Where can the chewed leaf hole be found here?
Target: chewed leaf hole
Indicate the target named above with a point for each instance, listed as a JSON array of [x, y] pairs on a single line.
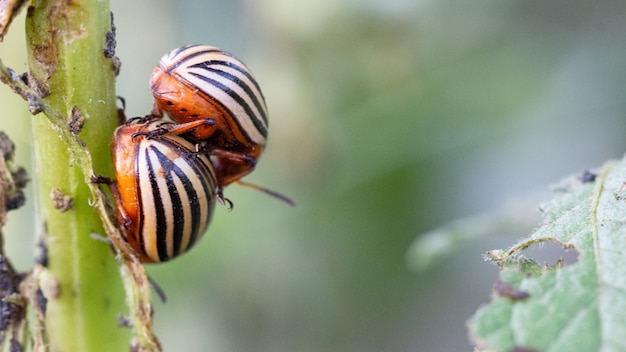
[[546, 252], [551, 252]]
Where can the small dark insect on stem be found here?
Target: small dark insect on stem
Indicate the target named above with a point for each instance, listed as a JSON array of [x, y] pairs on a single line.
[[103, 180], [61, 201], [77, 121], [110, 43]]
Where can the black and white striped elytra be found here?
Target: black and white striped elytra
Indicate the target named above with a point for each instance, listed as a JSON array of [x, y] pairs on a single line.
[[166, 191], [226, 81]]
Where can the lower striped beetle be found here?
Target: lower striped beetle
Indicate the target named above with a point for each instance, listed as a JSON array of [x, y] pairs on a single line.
[[164, 189]]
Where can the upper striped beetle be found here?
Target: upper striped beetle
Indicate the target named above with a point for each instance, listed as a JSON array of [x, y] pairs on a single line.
[[164, 189], [196, 82]]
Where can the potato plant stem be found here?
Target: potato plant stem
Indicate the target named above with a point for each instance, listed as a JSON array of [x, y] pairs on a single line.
[[66, 41]]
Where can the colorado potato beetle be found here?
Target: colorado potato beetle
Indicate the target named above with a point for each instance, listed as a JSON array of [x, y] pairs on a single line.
[[197, 82], [165, 190]]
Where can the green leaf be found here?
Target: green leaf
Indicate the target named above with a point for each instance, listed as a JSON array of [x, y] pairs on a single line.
[[557, 307]]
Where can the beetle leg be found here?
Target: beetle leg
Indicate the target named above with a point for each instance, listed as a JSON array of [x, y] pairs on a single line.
[[223, 200], [170, 128], [235, 157], [99, 179], [230, 166], [177, 129], [159, 131], [125, 219]]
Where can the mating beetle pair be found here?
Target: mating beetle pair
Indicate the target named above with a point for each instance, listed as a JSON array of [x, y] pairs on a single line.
[[169, 175]]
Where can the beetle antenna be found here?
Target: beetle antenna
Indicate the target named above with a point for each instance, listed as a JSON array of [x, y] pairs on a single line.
[[274, 194], [158, 289]]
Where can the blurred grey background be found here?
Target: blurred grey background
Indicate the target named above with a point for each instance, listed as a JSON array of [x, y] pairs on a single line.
[[387, 119]]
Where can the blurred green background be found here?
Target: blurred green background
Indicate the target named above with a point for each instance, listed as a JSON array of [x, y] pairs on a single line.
[[388, 119]]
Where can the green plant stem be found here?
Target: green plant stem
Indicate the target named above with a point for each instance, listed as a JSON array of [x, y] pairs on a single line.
[[133, 273], [65, 44]]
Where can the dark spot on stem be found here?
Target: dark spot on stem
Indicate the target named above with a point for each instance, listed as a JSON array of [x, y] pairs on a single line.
[[60, 201], [77, 121]]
